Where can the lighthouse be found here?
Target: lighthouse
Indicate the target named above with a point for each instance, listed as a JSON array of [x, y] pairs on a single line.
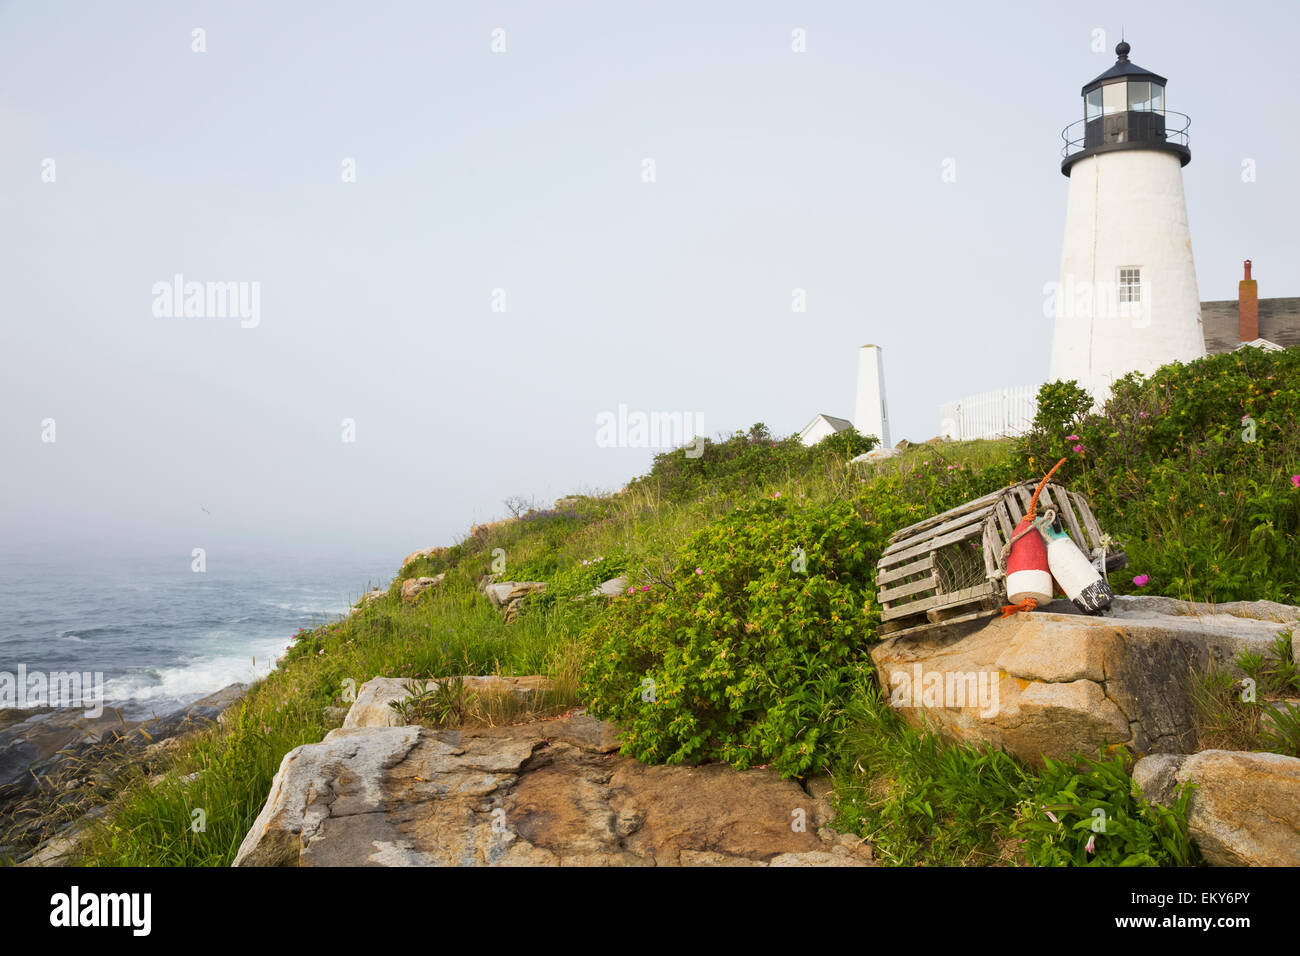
[[1127, 299]]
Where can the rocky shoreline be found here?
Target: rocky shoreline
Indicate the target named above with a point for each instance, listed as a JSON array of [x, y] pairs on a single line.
[[57, 766]]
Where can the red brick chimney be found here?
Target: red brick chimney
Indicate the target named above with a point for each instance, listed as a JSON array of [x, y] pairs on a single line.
[[1247, 308]]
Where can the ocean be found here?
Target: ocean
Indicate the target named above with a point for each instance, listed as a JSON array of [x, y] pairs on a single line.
[[161, 634]]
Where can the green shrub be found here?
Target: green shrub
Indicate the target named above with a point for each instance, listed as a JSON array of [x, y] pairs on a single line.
[[846, 444], [747, 650], [1062, 407]]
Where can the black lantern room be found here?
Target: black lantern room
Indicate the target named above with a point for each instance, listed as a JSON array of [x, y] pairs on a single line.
[[1124, 108]]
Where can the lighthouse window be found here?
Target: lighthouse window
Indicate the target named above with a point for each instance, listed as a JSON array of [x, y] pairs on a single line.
[[1092, 106], [1157, 98], [1130, 285], [1139, 96], [1114, 98]]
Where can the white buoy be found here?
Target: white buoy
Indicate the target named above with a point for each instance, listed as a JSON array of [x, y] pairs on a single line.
[[1074, 572]]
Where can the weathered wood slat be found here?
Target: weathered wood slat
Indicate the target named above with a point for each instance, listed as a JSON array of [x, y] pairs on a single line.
[[1014, 510], [938, 530], [1004, 521], [934, 545], [948, 614], [907, 570], [1089, 519], [909, 587], [1065, 508], [991, 547], [911, 529], [907, 627], [944, 600]]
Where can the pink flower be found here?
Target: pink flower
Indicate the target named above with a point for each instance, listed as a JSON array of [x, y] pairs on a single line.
[[1078, 448], [1050, 815], [645, 587], [1295, 480], [777, 495], [699, 570], [1091, 845], [631, 590], [1141, 580], [1222, 493], [1071, 437]]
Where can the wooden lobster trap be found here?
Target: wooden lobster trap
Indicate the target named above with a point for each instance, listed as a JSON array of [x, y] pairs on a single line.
[[951, 567]]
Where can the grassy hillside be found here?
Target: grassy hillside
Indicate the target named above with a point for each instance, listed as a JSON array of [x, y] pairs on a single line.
[[744, 636]]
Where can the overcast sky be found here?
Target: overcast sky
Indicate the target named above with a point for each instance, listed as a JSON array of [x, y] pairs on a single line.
[[524, 171]]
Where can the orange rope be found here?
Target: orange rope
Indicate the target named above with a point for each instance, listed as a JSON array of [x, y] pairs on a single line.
[[1028, 604], [1033, 502]]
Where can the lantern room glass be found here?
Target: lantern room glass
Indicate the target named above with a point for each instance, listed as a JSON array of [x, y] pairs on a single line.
[[1139, 96], [1092, 105]]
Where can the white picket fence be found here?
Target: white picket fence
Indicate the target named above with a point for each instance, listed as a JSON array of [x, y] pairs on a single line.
[[995, 414]]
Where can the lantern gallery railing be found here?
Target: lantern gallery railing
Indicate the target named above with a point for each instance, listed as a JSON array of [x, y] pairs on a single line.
[[1130, 127]]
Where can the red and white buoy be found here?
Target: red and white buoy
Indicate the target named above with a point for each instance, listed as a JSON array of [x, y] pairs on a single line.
[[1028, 573]]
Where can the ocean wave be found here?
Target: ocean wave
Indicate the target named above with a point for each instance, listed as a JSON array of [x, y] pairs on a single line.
[[174, 686]]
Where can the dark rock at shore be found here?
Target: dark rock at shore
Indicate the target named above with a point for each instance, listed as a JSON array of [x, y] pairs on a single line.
[[59, 758]]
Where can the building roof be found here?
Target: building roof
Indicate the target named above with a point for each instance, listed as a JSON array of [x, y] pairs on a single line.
[[1260, 344], [839, 424], [1279, 322]]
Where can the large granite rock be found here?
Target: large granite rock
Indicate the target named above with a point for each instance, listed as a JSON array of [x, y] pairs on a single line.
[[412, 588], [545, 793], [373, 706], [1053, 682], [1245, 809]]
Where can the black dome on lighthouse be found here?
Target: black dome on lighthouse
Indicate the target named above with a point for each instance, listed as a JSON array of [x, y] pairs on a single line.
[[1124, 69]]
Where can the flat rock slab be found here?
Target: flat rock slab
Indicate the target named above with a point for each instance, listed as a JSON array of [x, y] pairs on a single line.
[[1245, 810], [1048, 684], [611, 588], [372, 708], [546, 793], [505, 593]]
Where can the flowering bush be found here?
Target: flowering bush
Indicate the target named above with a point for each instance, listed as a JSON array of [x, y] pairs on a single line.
[[748, 651]]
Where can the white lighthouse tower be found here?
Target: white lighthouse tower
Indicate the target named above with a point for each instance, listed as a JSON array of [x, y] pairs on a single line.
[[1127, 299]]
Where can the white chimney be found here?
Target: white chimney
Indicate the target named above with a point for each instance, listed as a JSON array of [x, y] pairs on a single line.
[[871, 416]]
